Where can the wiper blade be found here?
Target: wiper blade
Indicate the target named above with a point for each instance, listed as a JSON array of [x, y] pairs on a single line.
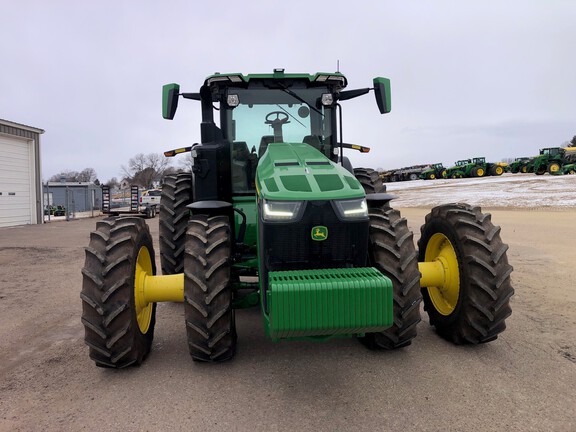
[[297, 97]]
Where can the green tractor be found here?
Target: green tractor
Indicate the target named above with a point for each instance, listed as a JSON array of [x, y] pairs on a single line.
[[274, 216], [552, 160], [476, 167], [569, 168], [459, 169], [519, 165], [480, 168], [435, 171]]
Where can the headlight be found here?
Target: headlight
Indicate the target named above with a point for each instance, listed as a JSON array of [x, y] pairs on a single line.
[[281, 211], [352, 209]]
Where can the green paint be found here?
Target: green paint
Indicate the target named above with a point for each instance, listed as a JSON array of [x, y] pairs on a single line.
[[297, 171], [328, 302], [248, 206]]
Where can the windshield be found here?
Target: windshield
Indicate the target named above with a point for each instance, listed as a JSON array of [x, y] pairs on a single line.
[[266, 115], [274, 115]]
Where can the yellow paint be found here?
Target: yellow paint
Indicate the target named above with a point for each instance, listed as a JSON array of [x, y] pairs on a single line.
[[142, 308], [164, 288], [150, 289], [441, 274]]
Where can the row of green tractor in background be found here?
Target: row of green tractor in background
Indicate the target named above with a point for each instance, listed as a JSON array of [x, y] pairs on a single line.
[[476, 167], [552, 160]]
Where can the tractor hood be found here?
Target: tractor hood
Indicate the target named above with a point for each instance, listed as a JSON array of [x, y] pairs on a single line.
[[300, 172]]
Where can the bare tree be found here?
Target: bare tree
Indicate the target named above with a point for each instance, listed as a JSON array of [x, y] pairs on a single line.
[[86, 175], [185, 162], [113, 183], [68, 176], [144, 169]]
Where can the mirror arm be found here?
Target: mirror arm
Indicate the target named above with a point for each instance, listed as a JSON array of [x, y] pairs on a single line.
[[195, 96], [350, 94]]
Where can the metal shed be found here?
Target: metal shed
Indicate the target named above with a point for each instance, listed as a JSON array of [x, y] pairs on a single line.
[[75, 196], [20, 176]]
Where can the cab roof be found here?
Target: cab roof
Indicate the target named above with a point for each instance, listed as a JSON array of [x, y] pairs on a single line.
[[235, 78]]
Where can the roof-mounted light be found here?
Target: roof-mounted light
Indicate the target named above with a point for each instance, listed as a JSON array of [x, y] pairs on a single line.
[[327, 99], [219, 78], [232, 100], [324, 78]]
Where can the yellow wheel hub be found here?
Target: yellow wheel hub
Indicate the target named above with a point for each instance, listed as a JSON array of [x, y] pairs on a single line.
[[440, 274], [480, 172], [554, 167], [142, 308], [499, 170]]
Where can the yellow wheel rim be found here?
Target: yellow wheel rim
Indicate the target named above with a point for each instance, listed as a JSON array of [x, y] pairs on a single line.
[[142, 308], [480, 172], [432, 176], [554, 167], [499, 170], [444, 298]]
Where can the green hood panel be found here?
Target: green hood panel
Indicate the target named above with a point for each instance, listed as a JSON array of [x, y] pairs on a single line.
[[300, 172]]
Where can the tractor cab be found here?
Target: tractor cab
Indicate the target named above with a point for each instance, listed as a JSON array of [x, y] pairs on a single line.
[[244, 114]]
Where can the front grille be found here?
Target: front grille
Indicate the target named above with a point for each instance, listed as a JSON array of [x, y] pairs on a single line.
[[289, 246]]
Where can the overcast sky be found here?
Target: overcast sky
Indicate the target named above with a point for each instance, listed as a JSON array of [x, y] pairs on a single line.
[[490, 78]]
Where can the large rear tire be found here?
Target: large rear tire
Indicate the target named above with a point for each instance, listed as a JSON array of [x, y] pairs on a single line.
[[391, 251], [370, 180], [497, 170], [176, 195], [472, 308], [118, 328], [208, 309]]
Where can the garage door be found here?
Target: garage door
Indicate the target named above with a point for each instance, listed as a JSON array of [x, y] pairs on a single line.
[[16, 191]]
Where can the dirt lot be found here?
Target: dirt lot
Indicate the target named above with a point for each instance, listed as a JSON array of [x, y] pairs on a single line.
[[523, 381]]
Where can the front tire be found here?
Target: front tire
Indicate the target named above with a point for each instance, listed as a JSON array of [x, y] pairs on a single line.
[[370, 180], [118, 328], [474, 307], [208, 309], [391, 250], [174, 215]]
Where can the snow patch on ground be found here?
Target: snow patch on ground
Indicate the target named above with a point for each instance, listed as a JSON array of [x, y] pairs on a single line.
[[508, 190]]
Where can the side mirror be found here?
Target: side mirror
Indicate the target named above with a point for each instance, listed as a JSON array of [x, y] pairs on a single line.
[[382, 94], [170, 93]]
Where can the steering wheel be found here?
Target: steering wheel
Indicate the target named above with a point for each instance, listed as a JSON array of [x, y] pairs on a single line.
[[281, 118]]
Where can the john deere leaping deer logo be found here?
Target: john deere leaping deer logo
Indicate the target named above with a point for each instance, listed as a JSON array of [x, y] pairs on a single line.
[[319, 233]]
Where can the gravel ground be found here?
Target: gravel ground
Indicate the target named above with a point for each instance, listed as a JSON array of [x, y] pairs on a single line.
[[523, 381]]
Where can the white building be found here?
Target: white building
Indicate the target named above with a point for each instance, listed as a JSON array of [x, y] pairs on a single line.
[[20, 176]]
